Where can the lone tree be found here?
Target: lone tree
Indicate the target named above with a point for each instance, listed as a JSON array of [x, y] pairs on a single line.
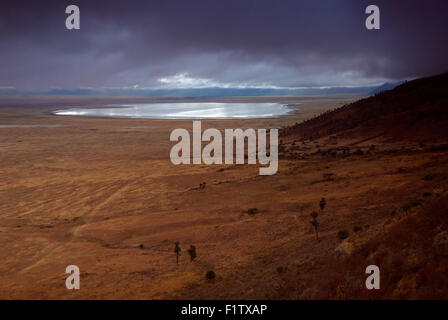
[[192, 252], [315, 223], [177, 251], [322, 204]]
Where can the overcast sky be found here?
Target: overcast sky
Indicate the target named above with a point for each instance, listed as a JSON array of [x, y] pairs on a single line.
[[241, 43]]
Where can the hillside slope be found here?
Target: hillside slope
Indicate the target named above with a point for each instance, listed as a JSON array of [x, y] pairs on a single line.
[[414, 111]]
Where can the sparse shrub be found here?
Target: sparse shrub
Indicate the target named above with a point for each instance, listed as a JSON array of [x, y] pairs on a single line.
[[411, 203], [406, 207], [427, 194], [428, 177], [358, 152], [280, 269], [192, 252], [177, 251], [343, 234], [322, 204], [315, 223], [442, 147], [252, 211], [357, 228], [210, 275], [401, 170]]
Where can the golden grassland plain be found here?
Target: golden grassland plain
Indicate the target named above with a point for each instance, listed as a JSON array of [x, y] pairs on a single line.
[[102, 194]]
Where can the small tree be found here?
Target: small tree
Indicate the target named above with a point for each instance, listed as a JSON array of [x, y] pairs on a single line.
[[210, 275], [192, 252], [322, 204], [315, 223], [177, 251]]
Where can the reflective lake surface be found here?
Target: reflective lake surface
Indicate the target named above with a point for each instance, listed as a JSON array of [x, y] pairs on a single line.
[[191, 110]]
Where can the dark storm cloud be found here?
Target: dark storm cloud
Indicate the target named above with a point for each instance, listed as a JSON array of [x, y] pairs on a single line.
[[219, 43]]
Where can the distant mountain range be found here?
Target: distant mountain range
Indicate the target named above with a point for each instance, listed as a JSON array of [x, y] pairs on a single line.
[[386, 86], [206, 92]]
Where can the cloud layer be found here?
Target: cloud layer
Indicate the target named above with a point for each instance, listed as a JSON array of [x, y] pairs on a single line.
[[231, 43]]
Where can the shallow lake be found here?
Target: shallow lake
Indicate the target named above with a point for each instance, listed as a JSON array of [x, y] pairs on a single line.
[[190, 110]]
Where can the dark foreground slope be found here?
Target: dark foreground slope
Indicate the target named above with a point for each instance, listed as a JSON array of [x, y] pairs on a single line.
[[405, 132]]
